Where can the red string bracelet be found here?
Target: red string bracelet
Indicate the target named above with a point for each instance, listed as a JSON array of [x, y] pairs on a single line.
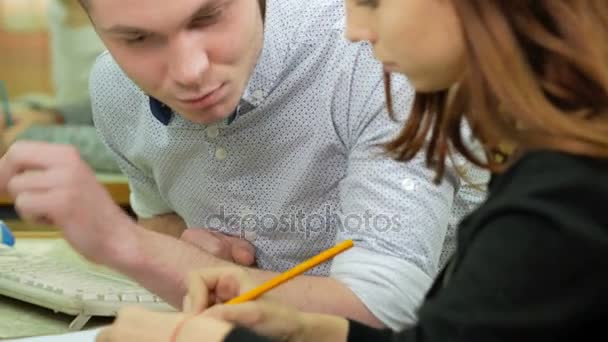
[[180, 326]]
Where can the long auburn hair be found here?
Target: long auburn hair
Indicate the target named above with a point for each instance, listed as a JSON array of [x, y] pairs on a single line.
[[536, 78]]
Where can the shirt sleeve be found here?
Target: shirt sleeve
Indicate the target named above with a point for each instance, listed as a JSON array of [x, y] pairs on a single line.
[[145, 198], [393, 211]]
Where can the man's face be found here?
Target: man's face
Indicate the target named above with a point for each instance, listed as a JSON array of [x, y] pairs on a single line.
[[196, 56]]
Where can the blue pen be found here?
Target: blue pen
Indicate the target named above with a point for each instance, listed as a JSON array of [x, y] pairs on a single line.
[[6, 236], [6, 107]]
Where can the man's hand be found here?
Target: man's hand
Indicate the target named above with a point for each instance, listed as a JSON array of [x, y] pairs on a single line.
[[51, 184], [222, 246], [169, 224]]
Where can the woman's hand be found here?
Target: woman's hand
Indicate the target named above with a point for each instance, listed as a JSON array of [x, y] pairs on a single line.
[[210, 287], [136, 324]]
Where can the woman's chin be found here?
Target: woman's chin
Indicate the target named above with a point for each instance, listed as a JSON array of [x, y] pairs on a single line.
[[425, 86]]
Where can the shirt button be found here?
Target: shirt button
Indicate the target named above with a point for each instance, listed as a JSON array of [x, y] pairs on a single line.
[[459, 162], [258, 95], [250, 236], [248, 231], [408, 184], [213, 132], [221, 153]]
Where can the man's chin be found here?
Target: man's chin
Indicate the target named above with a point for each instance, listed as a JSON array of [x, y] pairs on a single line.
[[220, 111], [205, 119]]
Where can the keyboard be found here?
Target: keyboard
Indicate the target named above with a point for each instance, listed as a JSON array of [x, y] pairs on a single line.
[[69, 289]]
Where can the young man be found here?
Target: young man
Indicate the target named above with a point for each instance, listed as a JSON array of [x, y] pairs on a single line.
[[251, 119]]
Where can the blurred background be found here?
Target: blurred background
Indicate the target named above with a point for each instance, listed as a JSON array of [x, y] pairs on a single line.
[[47, 50], [25, 59]]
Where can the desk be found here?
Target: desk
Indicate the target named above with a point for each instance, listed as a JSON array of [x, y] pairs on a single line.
[[117, 186], [20, 319]]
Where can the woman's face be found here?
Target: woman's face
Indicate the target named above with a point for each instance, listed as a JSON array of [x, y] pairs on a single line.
[[419, 38]]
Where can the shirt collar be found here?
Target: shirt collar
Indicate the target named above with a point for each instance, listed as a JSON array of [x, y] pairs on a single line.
[[269, 66], [160, 111]]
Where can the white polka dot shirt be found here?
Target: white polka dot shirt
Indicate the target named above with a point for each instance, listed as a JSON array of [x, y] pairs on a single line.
[[298, 168]]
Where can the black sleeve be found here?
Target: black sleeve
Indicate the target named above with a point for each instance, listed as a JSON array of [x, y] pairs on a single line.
[[360, 332], [491, 298], [240, 334]]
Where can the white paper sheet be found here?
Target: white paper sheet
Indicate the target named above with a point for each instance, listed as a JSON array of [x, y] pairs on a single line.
[[81, 336]]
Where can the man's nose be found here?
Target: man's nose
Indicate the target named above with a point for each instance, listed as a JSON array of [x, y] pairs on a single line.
[[189, 61]]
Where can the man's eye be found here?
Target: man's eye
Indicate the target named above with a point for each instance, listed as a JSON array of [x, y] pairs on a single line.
[[136, 40], [367, 3], [208, 19]]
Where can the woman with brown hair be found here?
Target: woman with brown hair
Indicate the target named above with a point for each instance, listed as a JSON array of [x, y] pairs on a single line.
[[531, 78]]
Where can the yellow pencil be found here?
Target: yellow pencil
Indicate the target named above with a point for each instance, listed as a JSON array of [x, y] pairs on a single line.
[[297, 270]]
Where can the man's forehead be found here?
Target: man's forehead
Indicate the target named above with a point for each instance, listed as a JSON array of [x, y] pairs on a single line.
[[107, 13], [145, 12], [152, 3]]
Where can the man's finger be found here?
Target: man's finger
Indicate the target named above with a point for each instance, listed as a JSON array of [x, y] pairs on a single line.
[[208, 242], [241, 250], [25, 155], [36, 207], [33, 180]]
